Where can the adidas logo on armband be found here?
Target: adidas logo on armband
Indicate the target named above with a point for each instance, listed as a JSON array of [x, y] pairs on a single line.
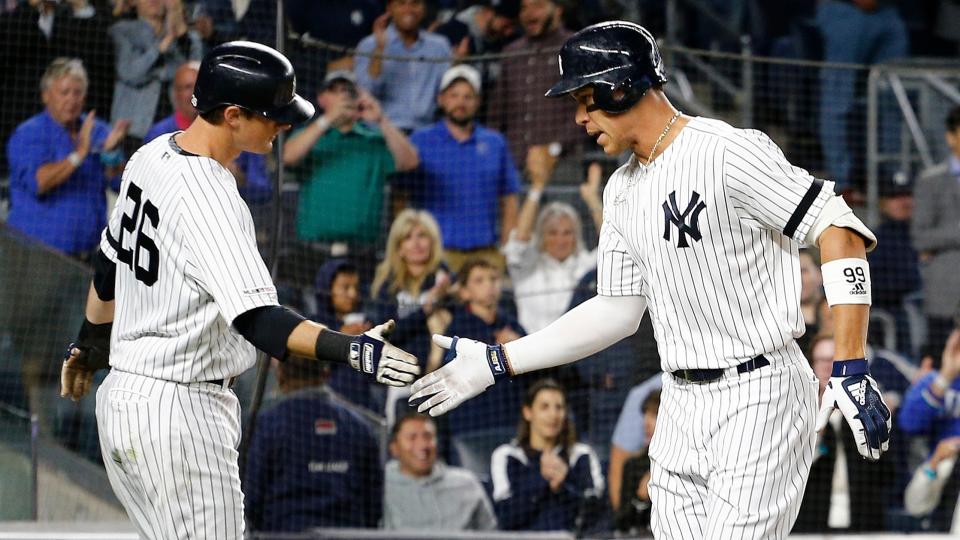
[[858, 290]]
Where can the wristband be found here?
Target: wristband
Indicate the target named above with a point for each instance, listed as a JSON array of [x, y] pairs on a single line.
[[322, 123], [111, 158], [940, 382], [498, 361], [846, 281], [333, 346], [933, 401], [534, 194], [74, 159], [846, 368]]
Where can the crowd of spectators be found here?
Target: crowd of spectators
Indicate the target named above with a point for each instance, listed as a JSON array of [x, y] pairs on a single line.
[[425, 193]]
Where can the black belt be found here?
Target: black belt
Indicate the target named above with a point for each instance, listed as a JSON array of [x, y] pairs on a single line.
[[710, 375], [219, 382]]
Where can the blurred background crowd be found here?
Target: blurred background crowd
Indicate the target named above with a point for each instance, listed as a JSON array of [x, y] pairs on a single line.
[[436, 186]]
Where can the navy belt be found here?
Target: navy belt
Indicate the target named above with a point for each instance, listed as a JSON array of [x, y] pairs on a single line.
[[219, 382], [710, 375]]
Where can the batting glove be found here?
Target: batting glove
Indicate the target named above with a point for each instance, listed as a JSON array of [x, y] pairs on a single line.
[[852, 390], [372, 354], [89, 353], [471, 367]]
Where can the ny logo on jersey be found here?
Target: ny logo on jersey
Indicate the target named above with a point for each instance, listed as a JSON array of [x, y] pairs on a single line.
[[672, 214]]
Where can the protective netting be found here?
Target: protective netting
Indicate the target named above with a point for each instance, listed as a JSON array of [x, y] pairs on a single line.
[[471, 211]]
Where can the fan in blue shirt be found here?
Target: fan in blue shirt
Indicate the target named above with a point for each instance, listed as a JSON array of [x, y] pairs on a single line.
[[467, 177], [61, 165]]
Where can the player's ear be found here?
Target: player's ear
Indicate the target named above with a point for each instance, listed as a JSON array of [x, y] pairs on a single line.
[[232, 114]]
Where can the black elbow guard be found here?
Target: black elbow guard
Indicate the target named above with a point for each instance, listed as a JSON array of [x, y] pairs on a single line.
[[104, 276], [268, 328]]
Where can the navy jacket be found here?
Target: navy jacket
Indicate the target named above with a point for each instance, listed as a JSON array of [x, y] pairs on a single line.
[[524, 501], [357, 388], [499, 406], [313, 462], [411, 333]]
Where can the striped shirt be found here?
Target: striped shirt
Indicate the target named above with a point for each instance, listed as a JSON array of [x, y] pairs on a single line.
[[709, 235], [187, 266]]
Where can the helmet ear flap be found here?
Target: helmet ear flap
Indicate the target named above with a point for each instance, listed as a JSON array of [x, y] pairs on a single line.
[[606, 99]]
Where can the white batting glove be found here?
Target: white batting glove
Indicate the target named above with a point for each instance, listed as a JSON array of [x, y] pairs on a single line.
[[372, 354], [852, 390], [471, 367]]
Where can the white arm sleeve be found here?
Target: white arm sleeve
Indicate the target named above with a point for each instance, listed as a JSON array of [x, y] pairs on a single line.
[[590, 327]]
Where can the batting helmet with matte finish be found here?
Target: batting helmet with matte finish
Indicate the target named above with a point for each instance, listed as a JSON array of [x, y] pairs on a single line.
[[612, 56], [252, 76]]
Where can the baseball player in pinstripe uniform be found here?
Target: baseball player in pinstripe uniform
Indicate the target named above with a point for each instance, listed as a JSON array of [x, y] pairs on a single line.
[[181, 297], [702, 228]]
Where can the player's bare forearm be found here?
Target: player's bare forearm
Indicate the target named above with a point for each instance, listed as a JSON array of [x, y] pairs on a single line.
[[849, 320], [303, 340], [97, 311]]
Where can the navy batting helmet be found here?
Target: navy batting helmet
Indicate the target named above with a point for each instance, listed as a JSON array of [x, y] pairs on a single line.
[[612, 56], [252, 76]]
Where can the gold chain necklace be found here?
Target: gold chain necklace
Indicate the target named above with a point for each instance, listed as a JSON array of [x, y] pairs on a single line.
[[633, 179]]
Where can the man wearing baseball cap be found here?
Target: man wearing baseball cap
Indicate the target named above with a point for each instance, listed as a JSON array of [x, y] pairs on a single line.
[[343, 159], [484, 27], [467, 178]]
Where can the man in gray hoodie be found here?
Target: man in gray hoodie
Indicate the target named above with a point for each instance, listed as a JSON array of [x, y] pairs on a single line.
[[421, 493]]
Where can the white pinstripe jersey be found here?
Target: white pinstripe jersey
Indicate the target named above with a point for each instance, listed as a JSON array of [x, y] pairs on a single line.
[[187, 265], [709, 235]]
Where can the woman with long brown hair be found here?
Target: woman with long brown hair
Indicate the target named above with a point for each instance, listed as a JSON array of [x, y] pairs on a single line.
[[544, 479]]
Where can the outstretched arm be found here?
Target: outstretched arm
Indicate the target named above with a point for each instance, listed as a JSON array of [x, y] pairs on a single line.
[[584, 330]]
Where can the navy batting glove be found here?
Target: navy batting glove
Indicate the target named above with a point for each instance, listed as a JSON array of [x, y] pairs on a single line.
[[372, 354], [855, 393]]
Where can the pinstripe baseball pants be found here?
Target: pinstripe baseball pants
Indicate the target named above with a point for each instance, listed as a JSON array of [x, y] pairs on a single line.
[[170, 451], [730, 459]]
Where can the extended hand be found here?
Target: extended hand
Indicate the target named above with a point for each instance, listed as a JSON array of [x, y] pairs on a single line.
[[372, 354], [471, 368], [852, 390]]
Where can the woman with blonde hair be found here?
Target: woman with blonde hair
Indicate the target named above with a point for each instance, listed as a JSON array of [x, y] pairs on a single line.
[[410, 283]]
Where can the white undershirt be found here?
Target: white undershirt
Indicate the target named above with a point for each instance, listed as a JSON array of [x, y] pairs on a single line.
[[45, 22]]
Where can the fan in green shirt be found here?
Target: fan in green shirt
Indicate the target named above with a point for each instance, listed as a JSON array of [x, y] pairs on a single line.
[[344, 158]]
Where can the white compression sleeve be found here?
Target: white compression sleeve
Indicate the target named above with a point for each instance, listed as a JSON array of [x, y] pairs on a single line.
[[590, 327]]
